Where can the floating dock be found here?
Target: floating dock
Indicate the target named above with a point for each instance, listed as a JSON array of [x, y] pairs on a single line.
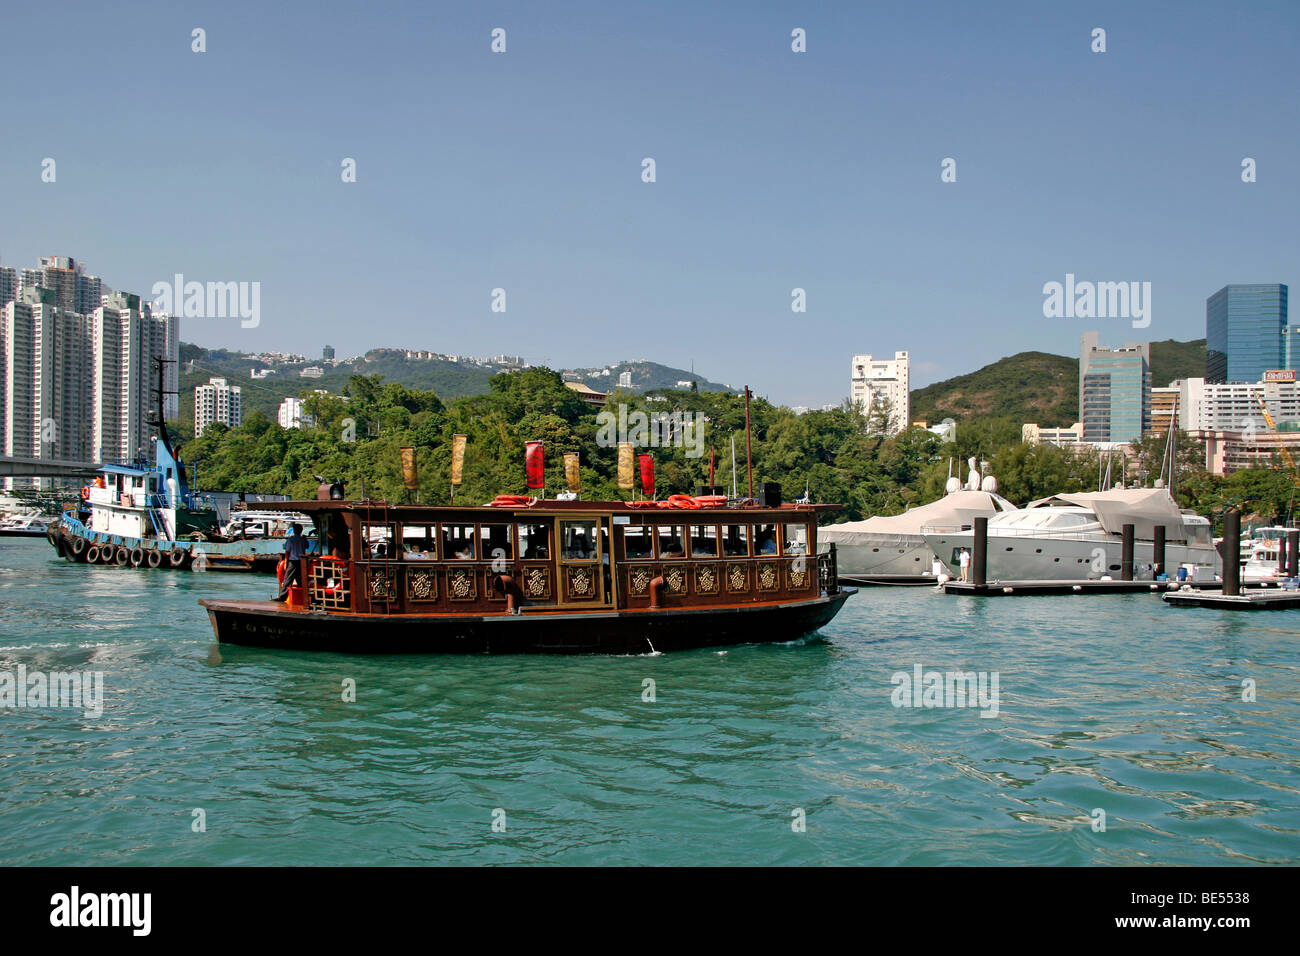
[[998, 588], [1271, 600]]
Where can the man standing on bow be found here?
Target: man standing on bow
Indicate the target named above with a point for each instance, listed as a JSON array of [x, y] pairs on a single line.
[[295, 552]]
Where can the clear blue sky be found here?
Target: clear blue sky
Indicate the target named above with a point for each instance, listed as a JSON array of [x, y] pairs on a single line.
[[775, 170]]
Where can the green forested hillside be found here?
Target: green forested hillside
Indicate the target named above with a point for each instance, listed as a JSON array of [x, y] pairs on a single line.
[[1038, 386]]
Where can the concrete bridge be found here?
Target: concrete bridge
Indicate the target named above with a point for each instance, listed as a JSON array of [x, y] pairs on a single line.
[[13, 467]]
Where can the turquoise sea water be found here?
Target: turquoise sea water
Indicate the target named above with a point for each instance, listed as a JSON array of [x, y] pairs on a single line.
[[1113, 702]]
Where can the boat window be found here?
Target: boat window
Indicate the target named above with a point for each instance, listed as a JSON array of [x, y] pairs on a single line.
[[704, 541], [535, 541], [735, 540], [420, 541], [795, 538], [458, 541], [379, 540], [637, 542], [670, 537], [765, 539], [1197, 533], [497, 543], [339, 544], [578, 540]]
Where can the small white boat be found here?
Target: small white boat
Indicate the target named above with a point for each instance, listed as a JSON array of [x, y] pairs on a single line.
[[1259, 554], [24, 526]]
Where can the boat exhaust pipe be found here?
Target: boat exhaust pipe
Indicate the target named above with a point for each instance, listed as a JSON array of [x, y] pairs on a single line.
[[657, 584]]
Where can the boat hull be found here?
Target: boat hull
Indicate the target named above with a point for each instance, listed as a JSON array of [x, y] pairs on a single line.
[[266, 624], [887, 559]]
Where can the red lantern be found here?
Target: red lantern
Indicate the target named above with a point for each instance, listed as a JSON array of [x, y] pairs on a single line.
[[534, 464], [647, 474]]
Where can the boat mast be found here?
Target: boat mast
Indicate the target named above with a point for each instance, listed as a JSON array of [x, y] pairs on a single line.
[[160, 423], [749, 451]]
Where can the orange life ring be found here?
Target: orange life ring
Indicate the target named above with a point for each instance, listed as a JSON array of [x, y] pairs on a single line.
[[643, 504], [511, 501], [710, 501], [85, 493], [682, 501], [279, 570]]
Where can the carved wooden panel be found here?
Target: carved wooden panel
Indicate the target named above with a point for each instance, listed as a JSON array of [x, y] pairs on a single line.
[[638, 581], [421, 584], [381, 583], [537, 584], [580, 583], [767, 576], [737, 578], [798, 575], [707, 579], [462, 584]]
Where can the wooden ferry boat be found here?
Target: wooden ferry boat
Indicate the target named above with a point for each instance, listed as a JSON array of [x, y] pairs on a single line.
[[548, 576]]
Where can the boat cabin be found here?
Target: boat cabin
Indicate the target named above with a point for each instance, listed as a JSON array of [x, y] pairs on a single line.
[[567, 555]]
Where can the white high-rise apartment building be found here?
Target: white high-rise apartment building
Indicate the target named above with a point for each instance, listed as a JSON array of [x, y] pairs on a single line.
[[217, 402], [123, 344], [874, 380], [8, 285], [79, 387]]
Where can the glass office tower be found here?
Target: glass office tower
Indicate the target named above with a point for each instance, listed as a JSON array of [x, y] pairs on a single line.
[[1246, 333], [1114, 390]]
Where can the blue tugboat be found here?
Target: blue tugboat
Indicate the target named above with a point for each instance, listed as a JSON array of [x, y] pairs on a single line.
[[145, 515]]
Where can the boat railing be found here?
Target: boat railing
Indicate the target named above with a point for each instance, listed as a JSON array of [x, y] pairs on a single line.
[[828, 574], [998, 532], [329, 586]]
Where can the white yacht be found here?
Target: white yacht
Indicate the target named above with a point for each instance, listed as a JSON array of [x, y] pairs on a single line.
[[1259, 554], [891, 549], [1071, 537]]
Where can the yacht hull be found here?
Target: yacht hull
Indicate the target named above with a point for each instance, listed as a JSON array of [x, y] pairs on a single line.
[[1089, 558]]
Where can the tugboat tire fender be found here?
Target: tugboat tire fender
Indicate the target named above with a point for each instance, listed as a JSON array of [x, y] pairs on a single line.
[[78, 546], [92, 555], [154, 557], [121, 556], [137, 557], [176, 557]]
